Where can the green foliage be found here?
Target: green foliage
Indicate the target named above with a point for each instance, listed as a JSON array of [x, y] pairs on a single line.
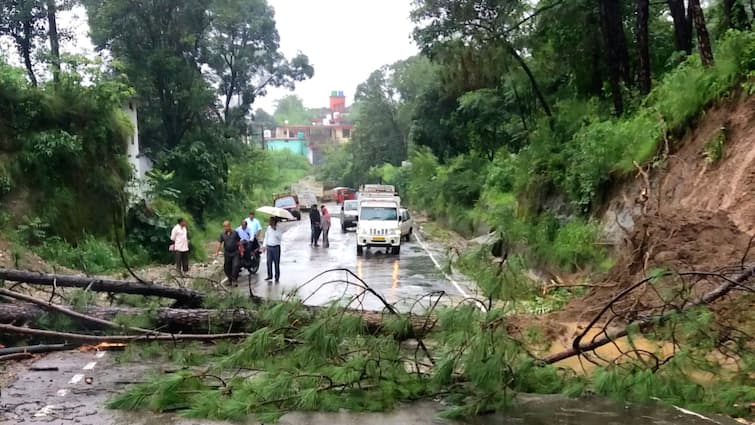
[[149, 226], [91, 254], [70, 142], [33, 230], [714, 148]]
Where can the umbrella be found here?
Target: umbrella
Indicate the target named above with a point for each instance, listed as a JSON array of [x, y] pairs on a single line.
[[276, 212]]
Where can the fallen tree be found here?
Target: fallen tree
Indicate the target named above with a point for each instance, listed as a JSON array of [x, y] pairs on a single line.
[[188, 320], [183, 296]]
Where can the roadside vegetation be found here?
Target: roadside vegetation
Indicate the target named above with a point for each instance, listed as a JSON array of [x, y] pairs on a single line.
[[67, 190], [517, 119]]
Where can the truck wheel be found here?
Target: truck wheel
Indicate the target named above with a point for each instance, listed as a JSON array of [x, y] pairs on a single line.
[[360, 251], [396, 250], [343, 228]]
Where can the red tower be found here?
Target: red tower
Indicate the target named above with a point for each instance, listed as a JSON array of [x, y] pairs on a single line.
[[337, 102]]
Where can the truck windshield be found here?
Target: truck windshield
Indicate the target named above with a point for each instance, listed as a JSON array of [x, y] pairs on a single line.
[[378, 213], [350, 205], [288, 201]]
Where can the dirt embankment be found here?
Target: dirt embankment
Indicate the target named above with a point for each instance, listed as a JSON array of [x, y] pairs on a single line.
[[693, 209]]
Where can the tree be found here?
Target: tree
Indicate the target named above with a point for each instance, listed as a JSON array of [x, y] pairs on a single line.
[[378, 138], [262, 118], [291, 110], [643, 45], [682, 25], [157, 44], [242, 49], [735, 15], [617, 55], [703, 39], [22, 21], [52, 33], [476, 23]]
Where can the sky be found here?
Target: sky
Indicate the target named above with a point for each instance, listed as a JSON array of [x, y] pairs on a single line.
[[345, 41]]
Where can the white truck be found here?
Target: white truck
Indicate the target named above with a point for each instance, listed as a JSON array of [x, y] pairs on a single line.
[[379, 222]]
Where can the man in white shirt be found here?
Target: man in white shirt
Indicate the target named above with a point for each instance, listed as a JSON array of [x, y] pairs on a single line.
[[180, 237], [272, 245]]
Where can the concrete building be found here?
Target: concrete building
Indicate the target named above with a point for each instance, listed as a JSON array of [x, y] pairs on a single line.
[[331, 129]]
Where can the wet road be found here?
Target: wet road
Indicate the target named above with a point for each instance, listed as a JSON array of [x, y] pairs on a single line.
[[73, 387], [401, 279]]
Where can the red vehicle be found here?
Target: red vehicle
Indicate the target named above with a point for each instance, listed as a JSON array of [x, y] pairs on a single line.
[[344, 194]]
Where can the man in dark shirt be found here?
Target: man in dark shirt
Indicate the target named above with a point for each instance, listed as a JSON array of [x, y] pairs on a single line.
[[314, 219], [230, 241]]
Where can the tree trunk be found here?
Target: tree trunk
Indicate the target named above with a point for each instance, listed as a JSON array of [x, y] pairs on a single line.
[[617, 55], [54, 39], [643, 45], [24, 44], [187, 297], [735, 16], [173, 320], [682, 25], [703, 39], [533, 81]]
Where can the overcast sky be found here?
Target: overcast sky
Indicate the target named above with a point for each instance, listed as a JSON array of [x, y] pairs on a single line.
[[345, 40]]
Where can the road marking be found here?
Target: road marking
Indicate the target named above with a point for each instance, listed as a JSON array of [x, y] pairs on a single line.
[[44, 411], [90, 366], [62, 392], [437, 264], [100, 354], [76, 378]]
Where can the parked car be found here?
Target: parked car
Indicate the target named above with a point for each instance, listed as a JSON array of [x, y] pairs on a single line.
[[349, 214], [288, 202], [407, 224]]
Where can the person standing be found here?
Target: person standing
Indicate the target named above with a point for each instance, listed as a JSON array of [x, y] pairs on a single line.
[[314, 220], [272, 245], [253, 225], [230, 241], [180, 237], [325, 227]]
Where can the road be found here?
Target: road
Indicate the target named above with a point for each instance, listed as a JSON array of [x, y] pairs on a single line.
[[401, 279], [73, 387]]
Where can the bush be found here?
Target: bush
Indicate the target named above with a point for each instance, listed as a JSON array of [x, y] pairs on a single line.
[[148, 225], [91, 254]]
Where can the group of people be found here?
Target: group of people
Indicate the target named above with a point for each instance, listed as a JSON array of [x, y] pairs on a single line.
[[320, 224], [243, 243]]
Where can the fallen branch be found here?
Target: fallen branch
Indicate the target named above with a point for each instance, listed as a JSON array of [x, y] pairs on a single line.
[[184, 297], [74, 337], [36, 349], [609, 337], [68, 312]]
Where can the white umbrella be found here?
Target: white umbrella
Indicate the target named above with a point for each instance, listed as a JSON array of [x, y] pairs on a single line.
[[276, 212]]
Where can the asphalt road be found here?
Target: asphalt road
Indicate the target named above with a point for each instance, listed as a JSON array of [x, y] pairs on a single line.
[[400, 280]]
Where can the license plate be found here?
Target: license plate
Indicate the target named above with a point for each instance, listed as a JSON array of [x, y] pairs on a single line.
[[378, 239]]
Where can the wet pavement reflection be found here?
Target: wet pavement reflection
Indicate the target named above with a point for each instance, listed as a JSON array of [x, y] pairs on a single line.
[[401, 279]]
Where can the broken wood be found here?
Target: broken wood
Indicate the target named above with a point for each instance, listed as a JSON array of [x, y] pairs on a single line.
[[71, 313], [183, 296], [194, 320], [35, 349]]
